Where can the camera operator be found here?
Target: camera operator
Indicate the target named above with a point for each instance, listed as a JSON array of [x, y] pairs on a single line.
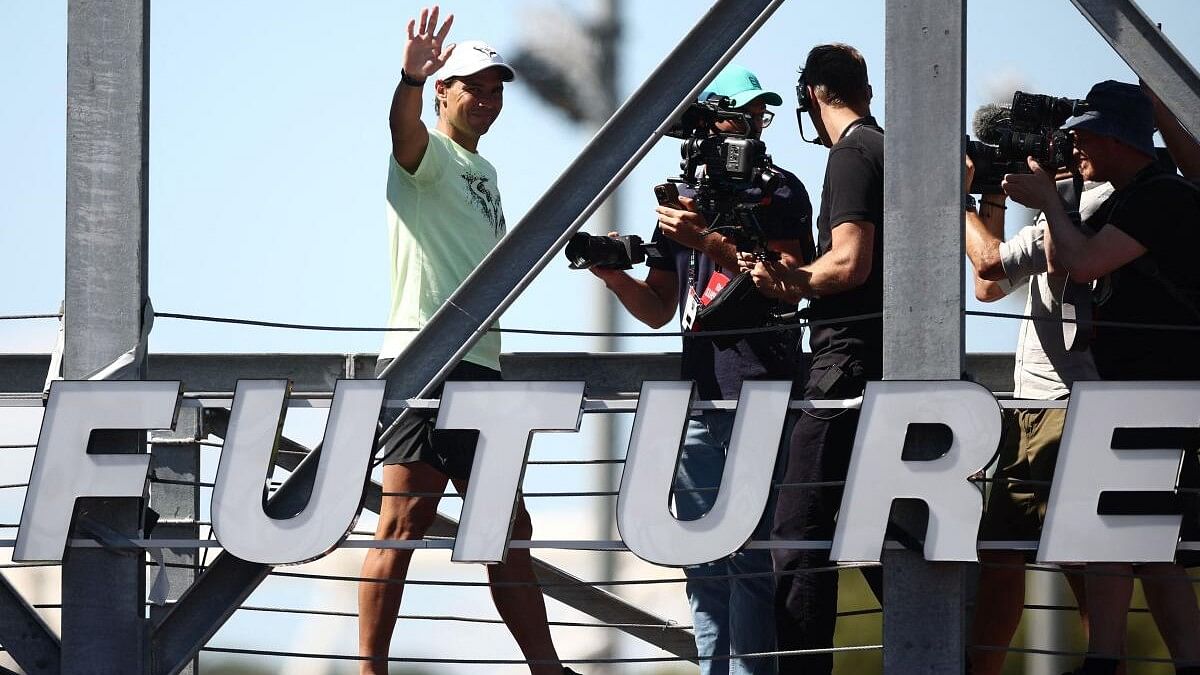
[[1045, 369], [846, 280], [1145, 235], [731, 616]]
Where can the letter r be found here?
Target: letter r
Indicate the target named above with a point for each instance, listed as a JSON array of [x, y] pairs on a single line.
[[879, 473]]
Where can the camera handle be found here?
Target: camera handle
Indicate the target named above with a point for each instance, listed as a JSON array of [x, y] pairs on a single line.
[[746, 231]]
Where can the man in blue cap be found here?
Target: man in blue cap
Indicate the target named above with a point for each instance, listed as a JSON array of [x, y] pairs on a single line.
[[1142, 256], [731, 599]]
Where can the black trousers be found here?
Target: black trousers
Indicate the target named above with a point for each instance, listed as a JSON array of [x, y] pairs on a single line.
[[806, 602]]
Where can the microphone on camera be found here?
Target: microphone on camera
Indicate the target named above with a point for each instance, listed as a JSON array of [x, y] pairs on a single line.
[[988, 121]]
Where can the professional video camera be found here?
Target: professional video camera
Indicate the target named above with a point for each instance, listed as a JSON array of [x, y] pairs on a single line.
[[1009, 134], [719, 166], [618, 253], [723, 167]]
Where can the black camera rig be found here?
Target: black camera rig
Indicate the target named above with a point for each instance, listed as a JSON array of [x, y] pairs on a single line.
[[1029, 127], [720, 166]]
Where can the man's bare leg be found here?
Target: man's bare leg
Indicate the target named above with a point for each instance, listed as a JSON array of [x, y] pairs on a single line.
[[521, 605], [1109, 591], [998, 608], [1172, 602], [399, 518]]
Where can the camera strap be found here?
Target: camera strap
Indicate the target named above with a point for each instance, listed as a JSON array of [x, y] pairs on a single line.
[[1075, 304]]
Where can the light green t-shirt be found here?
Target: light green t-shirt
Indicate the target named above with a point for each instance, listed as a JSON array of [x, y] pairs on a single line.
[[442, 220]]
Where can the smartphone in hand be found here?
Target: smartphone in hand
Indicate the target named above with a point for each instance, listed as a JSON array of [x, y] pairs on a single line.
[[667, 195]]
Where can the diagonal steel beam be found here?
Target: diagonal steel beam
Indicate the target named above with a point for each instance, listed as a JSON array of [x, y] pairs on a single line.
[[26, 638], [1149, 53], [494, 285]]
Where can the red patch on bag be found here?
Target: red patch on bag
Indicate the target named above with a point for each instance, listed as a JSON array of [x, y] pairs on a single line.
[[716, 282]]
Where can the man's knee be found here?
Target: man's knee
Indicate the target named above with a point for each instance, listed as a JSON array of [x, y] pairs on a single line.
[[406, 520], [522, 525]]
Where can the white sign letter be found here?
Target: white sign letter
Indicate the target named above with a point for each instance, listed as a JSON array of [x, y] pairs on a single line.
[[644, 515], [506, 415], [1119, 437], [238, 517], [64, 470], [878, 473]]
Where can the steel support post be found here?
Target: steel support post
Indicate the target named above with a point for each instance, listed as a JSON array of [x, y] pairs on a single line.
[[1149, 53], [177, 504], [494, 285], [924, 625], [107, 153]]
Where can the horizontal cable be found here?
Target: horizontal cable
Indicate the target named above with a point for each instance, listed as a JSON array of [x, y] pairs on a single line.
[[614, 493], [9, 486], [1097, 322], [21, 317], [1064, 652], [463, 619], [17, 446], [645, 659], [471, 619], [522, 331], [1074, 608], [1080, 569], [573, 583]]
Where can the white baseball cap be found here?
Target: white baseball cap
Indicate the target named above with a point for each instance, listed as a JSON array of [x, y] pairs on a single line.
[[470, 57]]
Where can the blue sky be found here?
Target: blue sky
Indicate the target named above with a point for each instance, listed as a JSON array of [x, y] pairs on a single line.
[[269, 148], [269, 142]]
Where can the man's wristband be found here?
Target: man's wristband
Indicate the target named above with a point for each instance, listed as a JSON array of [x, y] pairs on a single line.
[[410, 81]]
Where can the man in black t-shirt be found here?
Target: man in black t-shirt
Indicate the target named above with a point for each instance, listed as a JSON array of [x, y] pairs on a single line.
[[1143, 252], [731, 615], [844, 283]]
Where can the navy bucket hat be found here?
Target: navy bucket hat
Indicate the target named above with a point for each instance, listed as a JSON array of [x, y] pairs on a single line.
[[1121, 111]]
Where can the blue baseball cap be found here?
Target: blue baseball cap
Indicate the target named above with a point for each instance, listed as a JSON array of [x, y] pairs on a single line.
[[1121, 111], [741, 86]]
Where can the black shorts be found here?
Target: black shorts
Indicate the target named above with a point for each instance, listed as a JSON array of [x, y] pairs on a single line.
[[451, 451]]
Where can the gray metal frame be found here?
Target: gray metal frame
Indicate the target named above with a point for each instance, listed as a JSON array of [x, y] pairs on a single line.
[[103, 625], [923, 306], [108, 96]]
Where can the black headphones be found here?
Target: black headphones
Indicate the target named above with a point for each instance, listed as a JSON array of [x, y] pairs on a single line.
[[803, 105], [803, 102]]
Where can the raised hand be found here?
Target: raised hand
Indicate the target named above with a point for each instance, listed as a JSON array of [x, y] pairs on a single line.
[[424, 53]]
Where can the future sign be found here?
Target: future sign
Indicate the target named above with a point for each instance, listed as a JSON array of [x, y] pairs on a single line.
[[1121, 438]]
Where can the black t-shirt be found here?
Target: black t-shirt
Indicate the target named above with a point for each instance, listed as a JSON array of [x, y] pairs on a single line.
[[718, 372], [1163, 214], [853, 191]]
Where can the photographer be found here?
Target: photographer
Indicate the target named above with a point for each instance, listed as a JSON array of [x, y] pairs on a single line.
[[1145, 236], [1046, 367], [844, 282], [731, 616]]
